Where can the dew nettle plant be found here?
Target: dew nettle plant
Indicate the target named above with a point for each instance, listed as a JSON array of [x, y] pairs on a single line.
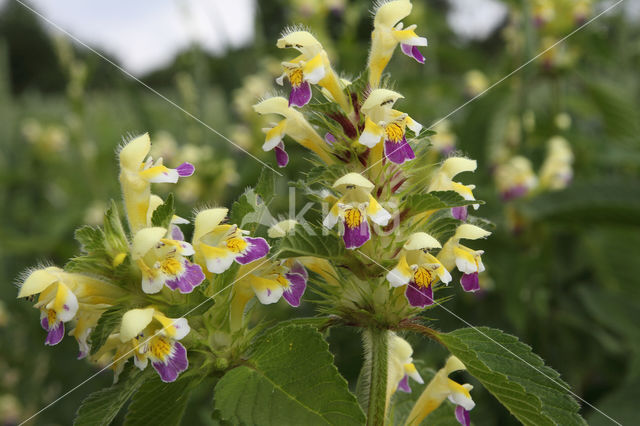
[[387, 242]]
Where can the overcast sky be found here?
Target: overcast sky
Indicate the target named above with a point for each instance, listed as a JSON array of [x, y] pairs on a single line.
[[146, 35]]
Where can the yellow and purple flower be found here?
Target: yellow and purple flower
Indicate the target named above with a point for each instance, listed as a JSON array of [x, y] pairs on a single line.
[[138, 172], [61, 295], [354, 207], [400, 366], [276, 279], [443, 181], [311, 66], [418, 269], [515, 178], [441, 387], [295, 125], [387, 125], [468, 261], [387, 32], [154, 337], [218, 245], [162, 261]]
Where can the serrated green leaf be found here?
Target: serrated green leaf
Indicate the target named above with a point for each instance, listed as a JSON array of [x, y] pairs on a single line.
[[101, 407], [163, 214], [107, 323], [91, 238], [441, 227], [605, 201], [291, 381], [266, 186], [313, 243], [519, 379], [93, 264], [437, 200], [240, 208], [158, 403]]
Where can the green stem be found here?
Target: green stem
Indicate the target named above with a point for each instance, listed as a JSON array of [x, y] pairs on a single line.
[[376, 411]]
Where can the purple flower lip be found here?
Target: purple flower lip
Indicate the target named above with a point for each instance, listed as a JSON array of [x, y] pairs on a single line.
[[301, 95], [185, 169], [419, 297], [357, 236], [257, 249], [176, 363], [412, 52], [514, 192], [282, 158], [398, 152], [297, 286], [470, 282], [190, 278], [55, 332], [462, 416], [403, 386]]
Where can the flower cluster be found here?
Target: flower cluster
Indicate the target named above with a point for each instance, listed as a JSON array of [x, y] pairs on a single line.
[[400, 219], [141, 274], [400, 215]]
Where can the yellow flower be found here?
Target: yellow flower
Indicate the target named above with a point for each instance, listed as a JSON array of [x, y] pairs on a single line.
[[515, 178], [62, 296], [440, 388], [295, 125], [383, 123], [137, 172], [400, 366], [387, 32], [218, 245], [468, 261], [354, 207], [154, 337], [311, 66], [419, 269], [443, 181]]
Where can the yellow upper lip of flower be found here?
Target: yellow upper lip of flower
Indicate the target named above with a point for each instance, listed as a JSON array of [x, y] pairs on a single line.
[[353, 179]]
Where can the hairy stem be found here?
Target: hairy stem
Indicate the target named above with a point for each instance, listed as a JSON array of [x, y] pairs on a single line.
[[376, 411]]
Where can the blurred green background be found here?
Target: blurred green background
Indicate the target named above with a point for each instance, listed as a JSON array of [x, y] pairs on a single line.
[[561, 265]]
